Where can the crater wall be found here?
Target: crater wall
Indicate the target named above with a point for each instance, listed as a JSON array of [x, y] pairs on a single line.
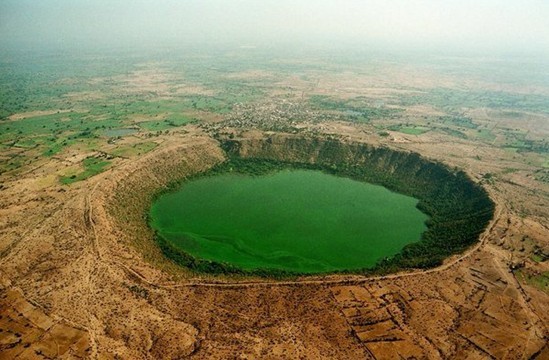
[[459, 208]]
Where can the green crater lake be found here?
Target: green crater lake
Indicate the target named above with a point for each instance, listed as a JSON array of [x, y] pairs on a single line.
[[302, 221]]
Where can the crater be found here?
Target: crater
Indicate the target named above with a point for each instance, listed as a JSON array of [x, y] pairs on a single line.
[[281, 204]]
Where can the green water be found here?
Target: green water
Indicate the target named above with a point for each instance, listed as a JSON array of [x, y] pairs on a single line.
[[297, 220]]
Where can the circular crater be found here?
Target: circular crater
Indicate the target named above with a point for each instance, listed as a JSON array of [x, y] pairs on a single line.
[[446, 210]]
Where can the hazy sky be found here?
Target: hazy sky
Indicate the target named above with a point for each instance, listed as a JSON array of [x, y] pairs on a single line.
[[508, 25]]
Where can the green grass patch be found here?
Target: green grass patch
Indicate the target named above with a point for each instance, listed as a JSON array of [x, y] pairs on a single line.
[[526, 145], [134, 150], [26, 143], [452, 132], [410, 130], [172, 121], [119, 132], [75, 123], [14, 163], [509, 170], [539, 281], [458, 121], [92, 166], [510, 149], [221, 103], [485, 134], [52, 133], [56, 145], [453, 100]]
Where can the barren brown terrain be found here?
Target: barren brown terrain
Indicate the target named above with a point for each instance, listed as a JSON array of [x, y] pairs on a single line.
[[79, 281]]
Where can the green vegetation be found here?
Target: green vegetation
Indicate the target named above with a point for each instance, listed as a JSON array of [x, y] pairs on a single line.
[[14, 162], [92, 166], [51, 133], [118, 133], [76, 123], [170, 122], [538, 280], [458, 121], [64, 100], [537, 258], [89, 96], [134, 150], [410, 130], [518, 142], [452, 101], [485, 134], [452, 132]]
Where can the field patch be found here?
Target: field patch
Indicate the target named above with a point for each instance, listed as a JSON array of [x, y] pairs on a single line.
[[92, 166]]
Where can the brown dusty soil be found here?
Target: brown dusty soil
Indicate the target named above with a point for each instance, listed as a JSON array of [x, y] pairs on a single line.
[[80, 278]]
